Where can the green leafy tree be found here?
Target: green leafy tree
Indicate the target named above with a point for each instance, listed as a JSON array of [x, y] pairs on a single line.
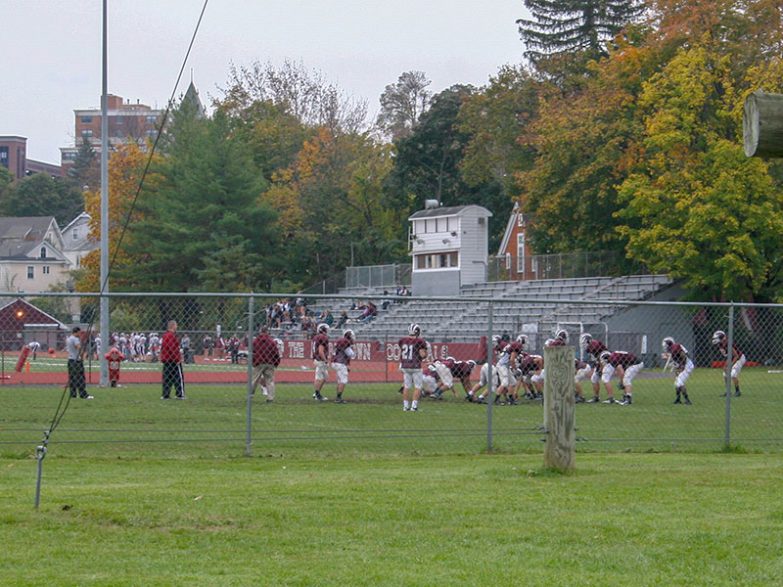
[[208, 198], [86, 171], [42, 195], [695, 206]]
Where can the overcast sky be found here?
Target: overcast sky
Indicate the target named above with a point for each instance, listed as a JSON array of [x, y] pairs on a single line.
[[52, 50]]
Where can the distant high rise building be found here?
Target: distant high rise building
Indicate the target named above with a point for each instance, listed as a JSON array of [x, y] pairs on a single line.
[[13, 156], [127, 122]]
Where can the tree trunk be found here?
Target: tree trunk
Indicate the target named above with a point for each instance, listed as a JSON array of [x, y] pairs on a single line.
[[559, 408], [762, 124]]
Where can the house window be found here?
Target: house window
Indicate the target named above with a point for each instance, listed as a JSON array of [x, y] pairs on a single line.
[[86, 119], [520, 221], [75, 234], [43, 252], [520, 252], [30, 272], [45, 270], [87, 133], [443, 224]]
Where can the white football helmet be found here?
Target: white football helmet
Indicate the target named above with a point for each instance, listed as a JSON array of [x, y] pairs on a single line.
[[718, 336], [562, 335], [522, 340], [604, 358], [585, 339], [323, 328], [414, 330], [667, 343], [348, 334], [495, 339]]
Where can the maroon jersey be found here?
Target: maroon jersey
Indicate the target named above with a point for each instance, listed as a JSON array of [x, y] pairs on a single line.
[[500, 348], [557, 342], [461, 369], [265, 351], [678, 355], [318, 341], [169, 348], [594, 348], [410, 352], [431, 371], [529, 364], [723, 348], [619, 358], [340, 354]]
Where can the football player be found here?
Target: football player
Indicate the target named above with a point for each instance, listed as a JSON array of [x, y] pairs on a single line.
[[320, 354], [720, 339], [593, 349], [627, 367], [677, 355], [413, 350], [341, 362]]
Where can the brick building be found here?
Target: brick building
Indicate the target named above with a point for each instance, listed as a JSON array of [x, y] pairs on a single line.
[[127, 122], [13, 156]]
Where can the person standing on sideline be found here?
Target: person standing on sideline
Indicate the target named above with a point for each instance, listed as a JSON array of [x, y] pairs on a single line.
[[677, 355], [114, 358], [76, 381], [320, 353], [737, 358], [341, 362], [413, 350], [266, 357], [171, 358]]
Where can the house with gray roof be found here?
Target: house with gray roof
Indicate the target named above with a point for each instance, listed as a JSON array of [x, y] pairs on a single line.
[[31, 254]]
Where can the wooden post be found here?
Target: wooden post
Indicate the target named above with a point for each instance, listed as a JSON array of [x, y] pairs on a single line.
[[559, 416], [762, 125]]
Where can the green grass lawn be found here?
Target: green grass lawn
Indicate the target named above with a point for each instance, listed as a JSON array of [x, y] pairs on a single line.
[[139, 491], [621, 519]]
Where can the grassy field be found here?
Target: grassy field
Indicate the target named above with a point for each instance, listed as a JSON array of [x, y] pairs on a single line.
[[138, 491]]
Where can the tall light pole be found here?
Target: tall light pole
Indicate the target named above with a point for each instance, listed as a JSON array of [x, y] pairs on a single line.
[[104, 286]]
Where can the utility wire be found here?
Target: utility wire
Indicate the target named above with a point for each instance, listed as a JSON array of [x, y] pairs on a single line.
[[62, 406]]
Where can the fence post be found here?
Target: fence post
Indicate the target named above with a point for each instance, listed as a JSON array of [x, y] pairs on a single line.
[[559, 417], [727, 376], [490, 377], [250, 335]]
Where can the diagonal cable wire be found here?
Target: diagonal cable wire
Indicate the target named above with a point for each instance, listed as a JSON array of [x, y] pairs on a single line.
[[62, 406]]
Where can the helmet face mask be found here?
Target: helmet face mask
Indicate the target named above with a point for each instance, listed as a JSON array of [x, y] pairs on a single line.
[[604, 358]]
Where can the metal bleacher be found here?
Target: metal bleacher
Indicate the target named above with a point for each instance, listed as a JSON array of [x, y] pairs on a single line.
[[544, 303]]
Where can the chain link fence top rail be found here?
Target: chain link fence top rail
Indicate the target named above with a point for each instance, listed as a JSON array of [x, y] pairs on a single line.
[[221, 415]]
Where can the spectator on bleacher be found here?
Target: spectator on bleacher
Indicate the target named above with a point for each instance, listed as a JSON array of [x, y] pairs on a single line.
[[342, 320], [369, 312], [326, 317], [207, 343], [385, 302]]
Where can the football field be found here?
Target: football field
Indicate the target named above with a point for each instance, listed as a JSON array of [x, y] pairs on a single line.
[[139, 491]]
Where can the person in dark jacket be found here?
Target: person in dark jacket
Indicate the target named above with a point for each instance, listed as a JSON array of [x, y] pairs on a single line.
[[266, 357]]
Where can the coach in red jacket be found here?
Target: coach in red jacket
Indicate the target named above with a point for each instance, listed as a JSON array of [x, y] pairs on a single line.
[[172, 362]]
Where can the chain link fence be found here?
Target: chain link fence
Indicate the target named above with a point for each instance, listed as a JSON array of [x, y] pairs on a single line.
[[738, 407]]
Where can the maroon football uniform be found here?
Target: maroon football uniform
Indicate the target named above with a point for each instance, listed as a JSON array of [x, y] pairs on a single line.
[[723, 347], [340, 356], [410, 356], [594, 348], [618, 358], [318, 341], [529, 364], [461, 369], [678, 355]]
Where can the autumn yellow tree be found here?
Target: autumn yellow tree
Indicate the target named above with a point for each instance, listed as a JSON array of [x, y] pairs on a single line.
[[126, 167]]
